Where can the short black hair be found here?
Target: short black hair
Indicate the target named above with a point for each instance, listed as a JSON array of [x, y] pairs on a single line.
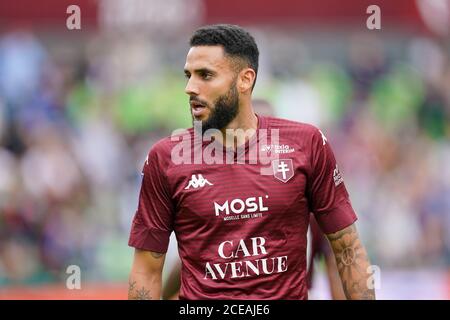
[[236, 42]]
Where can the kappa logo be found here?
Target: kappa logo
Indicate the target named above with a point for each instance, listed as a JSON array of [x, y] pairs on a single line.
[[197, 182], [283, 169]]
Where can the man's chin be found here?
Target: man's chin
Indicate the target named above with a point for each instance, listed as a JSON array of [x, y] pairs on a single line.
[[196, 120], [202, 126], [198, 123]]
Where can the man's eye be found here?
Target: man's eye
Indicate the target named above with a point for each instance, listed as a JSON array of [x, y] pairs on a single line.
[[206, 76], [187, 76]]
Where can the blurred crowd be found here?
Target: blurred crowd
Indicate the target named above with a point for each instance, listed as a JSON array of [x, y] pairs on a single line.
[[78, 116]]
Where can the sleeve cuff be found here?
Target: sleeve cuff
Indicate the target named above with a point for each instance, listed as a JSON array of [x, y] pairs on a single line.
[[148, 239], [336, 219]]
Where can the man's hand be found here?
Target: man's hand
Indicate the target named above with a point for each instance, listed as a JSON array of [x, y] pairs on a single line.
[[352, 263], [146, 275]]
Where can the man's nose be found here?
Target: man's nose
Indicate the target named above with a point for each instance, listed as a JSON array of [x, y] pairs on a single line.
[[191, 88]]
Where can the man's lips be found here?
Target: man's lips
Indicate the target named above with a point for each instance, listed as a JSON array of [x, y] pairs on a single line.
[[197, 108]]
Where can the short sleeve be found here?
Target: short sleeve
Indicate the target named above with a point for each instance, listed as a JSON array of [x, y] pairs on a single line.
[[153, 220], [328, 197]]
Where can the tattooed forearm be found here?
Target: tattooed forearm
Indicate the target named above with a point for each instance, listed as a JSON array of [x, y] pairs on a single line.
[[352, 263], [145, 279]]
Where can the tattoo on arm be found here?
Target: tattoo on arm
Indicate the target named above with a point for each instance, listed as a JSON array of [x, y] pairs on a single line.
[[142, 294], [139, 294], [156, 255], [352, 263], [131, 287]]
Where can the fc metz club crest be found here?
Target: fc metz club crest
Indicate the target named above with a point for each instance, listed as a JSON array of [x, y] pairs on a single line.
[[283, 169]]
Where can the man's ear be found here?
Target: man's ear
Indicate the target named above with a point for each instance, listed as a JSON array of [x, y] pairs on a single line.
[[246, 79]]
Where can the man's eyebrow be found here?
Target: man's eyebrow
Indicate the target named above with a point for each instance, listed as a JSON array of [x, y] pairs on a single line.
[[201, 70]]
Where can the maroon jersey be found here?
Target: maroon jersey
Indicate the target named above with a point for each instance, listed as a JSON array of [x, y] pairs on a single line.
[[241, 234]]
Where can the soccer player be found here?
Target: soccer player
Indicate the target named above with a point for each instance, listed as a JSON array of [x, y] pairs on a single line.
[[241, 226], [317, 246]]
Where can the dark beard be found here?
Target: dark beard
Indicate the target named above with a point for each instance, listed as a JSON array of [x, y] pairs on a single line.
[[226, 108]]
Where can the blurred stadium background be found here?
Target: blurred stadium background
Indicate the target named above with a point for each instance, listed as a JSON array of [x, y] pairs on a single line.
[[79, 110]]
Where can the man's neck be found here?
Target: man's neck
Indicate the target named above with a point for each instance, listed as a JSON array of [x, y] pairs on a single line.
[[242, 128]]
